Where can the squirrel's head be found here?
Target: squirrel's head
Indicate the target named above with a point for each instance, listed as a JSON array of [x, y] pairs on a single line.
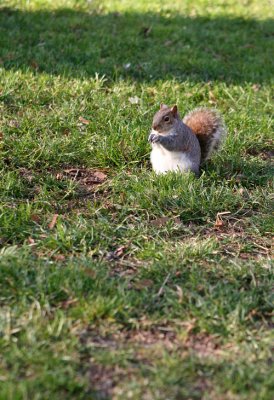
[[165, 118]]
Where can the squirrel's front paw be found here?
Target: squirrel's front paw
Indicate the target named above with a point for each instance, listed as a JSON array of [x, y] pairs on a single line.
[[151, 137], [154, 138]]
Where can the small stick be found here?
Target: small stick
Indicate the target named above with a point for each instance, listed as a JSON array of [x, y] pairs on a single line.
[[261, 247], [162, 287], [224, 213]]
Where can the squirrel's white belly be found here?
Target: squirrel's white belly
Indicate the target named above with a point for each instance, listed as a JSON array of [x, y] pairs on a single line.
[[163, 160]]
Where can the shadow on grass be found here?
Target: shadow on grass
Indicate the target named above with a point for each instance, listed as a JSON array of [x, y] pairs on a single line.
[[142, 47]]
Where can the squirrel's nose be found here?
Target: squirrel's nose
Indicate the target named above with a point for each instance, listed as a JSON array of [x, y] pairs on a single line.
[[154, 126]]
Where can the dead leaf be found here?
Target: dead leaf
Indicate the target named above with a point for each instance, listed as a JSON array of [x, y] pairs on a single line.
[[144, 283], [34, 65], [219, 222], [120, 251], [100, 175], [13, 123], [159, 221], [256, 87], [245, 256], [31, 240], [53, 221], [134, 100], [164, 220], [59, 257], [115, 255], [84, 121], [35, 218], [68, 303]]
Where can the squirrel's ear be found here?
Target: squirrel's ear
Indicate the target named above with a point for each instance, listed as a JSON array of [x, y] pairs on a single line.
[[162, 106], [174, 110]]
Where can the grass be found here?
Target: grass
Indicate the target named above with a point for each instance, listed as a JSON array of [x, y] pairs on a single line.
[[127, 288]]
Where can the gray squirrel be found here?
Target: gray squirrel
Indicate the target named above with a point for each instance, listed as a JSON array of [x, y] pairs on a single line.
[[183, 145]]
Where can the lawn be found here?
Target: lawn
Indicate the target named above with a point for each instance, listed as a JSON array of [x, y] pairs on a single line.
[[116, 283]]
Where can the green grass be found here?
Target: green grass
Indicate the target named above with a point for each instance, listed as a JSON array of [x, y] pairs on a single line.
[[134, 293]]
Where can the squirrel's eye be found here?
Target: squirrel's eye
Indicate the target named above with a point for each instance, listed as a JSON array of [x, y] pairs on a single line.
[[166, 119]]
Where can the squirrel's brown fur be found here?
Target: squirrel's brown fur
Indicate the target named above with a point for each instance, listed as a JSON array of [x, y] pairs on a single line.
[[208, 126]]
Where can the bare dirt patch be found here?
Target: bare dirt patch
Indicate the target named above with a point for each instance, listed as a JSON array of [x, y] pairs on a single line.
[[84, 176], [162, 336], [266, 153], [88, 182], [240, 244], [144, 347], [81, 175], [203, 345], [104, 379], [88, 185], [26, 174], [127, 266], [236, 239]]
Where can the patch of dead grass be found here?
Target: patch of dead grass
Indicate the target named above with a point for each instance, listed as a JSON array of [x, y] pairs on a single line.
[[84, 176], [233, 239], [144, 346], [266, 153], [104, 379], [161, 336]]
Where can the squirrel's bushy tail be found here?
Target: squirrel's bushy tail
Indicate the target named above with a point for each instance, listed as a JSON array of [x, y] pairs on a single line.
[[209, 128]]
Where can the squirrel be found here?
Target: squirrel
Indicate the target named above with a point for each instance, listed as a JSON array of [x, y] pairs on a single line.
[[184, 145]]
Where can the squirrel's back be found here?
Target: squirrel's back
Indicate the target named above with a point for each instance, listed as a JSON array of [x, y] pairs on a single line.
[[209, 127]]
